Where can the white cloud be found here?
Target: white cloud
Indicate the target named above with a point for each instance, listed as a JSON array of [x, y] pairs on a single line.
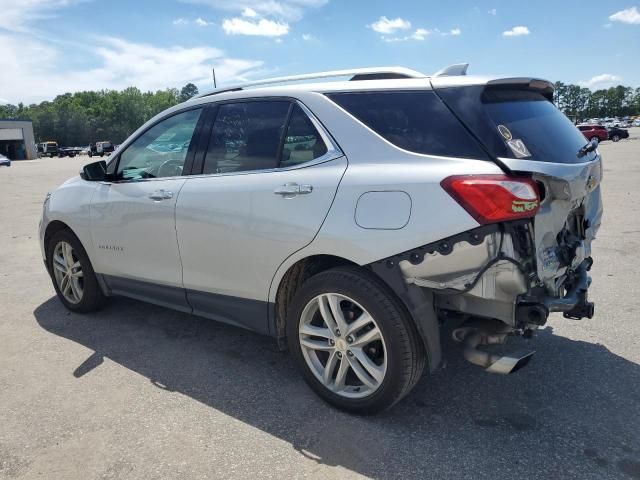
[[249, 13], [604, 79], [289, 10], [201, 22], [307, 37], [629, 15], [387, 26], [120, 64], [516, 32], [21, 15], [607, 25], [262, 27], [455, 32], [180, 21], [420, 34], [493, 12]]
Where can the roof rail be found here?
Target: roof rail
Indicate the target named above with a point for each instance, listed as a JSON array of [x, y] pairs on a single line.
[[452, 70], [372, 73]]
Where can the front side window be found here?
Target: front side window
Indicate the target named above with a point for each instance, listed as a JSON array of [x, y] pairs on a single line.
[[246, 136], [302, 142], [162, 150]]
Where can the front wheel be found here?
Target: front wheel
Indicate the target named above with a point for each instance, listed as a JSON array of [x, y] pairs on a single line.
[[595, 139], [353, 341], [615, 138], [72, 273]]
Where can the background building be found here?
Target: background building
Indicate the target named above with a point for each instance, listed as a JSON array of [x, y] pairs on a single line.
[[16, 140]]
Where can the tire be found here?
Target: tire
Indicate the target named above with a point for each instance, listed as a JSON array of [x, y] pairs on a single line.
[[91, 297], [596, 139], [396, 354], [615, 138], [90, 154]]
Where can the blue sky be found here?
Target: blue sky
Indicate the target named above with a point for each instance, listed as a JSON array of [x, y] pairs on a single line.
[[48, 47]]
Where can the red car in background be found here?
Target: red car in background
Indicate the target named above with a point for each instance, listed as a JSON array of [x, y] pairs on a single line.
[[594, 131]]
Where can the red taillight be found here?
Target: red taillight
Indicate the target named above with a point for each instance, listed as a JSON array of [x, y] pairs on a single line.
[[494, 198]]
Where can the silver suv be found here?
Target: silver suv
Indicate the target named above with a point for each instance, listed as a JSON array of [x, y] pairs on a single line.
[[347, 219]]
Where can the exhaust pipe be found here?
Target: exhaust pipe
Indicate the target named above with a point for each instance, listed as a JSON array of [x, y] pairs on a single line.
[[473, 337], [491, 362]]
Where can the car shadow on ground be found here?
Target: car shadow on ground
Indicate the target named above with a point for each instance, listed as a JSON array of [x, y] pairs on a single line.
[[573, 412]]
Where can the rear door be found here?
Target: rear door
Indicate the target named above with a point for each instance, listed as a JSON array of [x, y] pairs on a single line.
[[518, 124], [268, 175]]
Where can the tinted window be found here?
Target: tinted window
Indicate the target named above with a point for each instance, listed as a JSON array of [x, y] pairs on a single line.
[[160, 151], [517, 123], [584, 128], [246, 136], [302, 142], [417, 121]]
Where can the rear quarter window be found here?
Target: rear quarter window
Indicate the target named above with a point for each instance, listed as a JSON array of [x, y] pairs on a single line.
[[417, 121]]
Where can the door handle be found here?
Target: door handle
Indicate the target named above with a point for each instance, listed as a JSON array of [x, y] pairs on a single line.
[[289, 190], [159, 195]]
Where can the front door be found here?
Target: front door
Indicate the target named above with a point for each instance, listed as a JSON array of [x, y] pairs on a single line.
[[268, 181], [133, 217]]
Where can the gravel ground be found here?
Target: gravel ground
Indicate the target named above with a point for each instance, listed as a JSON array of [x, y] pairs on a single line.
[[137, 391]]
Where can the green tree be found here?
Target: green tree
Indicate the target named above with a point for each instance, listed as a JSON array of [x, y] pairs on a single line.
[[188, 91]]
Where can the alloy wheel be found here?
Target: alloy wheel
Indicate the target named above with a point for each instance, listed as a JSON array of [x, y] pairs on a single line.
[[342, 345], [68, 273]]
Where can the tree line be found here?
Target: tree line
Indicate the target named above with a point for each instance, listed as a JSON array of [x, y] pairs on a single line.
[[77, 119], [580, 103], [85, 117]]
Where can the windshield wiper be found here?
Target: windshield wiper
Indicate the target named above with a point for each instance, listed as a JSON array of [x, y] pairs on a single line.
[[589, 147]]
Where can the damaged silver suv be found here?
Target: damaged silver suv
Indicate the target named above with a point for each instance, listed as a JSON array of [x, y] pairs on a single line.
[[347, 219]]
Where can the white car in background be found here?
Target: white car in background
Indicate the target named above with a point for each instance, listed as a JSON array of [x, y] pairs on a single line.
[[4, 161], [347, 219]]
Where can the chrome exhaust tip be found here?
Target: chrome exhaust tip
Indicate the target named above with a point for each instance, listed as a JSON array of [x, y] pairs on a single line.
[[472, 338], [511, 363]]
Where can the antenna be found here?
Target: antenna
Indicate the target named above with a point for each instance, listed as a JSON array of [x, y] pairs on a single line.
[[213, 70]]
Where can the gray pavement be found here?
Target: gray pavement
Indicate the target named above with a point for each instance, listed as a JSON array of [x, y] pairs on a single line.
[[137, 391]]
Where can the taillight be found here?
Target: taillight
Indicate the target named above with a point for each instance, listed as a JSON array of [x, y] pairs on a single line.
[[494, 198]]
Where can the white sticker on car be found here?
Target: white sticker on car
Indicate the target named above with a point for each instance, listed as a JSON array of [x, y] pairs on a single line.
[[518, 148]]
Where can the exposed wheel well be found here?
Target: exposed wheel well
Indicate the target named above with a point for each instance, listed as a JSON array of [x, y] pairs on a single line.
[[53, 228], [296, 275]]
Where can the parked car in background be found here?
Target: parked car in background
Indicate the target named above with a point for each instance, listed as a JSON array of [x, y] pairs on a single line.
[[616, 134], [597, 132], [48, 149], [101, 149], [4, 161], [636, 123]]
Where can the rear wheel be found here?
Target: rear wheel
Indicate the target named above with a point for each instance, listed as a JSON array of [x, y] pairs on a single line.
[[595, 139], [72, 274], [353, 341], [615, 138]]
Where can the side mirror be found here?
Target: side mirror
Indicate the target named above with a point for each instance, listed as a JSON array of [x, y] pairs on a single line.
[[94, 172]]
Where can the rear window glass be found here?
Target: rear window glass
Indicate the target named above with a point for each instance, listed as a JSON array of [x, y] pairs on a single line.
[[517, 124], [417, 121]]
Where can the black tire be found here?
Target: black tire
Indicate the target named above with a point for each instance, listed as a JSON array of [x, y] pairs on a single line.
[[615, 138], [90, 154], [92, 297], [406, 357], [597, 139]]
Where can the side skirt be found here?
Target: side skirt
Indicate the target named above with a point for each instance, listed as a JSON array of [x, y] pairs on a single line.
[[241, 312]]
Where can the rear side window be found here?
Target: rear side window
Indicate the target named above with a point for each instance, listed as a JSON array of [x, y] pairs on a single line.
[[246, 136], [417, 121]]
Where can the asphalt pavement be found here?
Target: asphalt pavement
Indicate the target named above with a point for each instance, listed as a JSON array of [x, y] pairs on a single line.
[[138, 391]]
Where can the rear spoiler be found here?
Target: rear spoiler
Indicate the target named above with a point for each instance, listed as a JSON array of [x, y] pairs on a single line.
[[544, 87]]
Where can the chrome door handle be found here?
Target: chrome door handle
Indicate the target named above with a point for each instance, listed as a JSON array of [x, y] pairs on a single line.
[[289, 190], [161, 195]]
